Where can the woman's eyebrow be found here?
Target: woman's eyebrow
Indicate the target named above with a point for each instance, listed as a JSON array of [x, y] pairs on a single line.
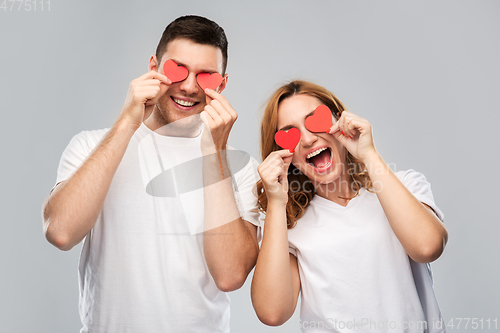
[[287, 127]]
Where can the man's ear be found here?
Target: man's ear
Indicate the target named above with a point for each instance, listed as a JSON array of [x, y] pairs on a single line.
[[222, 86], [153, 63]]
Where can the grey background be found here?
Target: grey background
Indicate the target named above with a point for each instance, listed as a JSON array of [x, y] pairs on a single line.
[[425, 73]]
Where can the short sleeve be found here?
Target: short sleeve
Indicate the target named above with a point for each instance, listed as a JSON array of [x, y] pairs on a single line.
[[292, 250], [418, 185], [77, 151], [246, 179]]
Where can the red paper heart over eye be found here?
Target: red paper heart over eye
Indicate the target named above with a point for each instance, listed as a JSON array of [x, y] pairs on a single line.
[[320, 121], [207, 80], [174, 72], [288, 140]]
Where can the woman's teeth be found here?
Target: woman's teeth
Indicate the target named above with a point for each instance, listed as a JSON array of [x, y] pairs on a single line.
[[183, 103], [314, 153]]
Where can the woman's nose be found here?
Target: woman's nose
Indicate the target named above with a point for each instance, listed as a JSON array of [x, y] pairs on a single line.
[[307, 138]]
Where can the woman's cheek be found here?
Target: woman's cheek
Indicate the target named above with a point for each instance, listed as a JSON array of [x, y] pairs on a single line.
[[297, 164]]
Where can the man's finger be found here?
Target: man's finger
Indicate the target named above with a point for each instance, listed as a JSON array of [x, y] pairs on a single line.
[[155, 75], [222, 111], [208, 99], [215, 95], [162, 78]]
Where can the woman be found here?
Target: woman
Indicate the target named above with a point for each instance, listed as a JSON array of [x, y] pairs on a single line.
[[341, 227]]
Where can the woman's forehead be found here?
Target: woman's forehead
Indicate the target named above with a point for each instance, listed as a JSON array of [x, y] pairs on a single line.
[[295, 107]]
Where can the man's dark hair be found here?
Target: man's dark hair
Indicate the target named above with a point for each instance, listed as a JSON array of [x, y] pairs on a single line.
[[197, 29]]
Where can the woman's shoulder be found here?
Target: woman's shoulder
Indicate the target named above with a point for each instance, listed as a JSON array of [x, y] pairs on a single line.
[[409, 174]]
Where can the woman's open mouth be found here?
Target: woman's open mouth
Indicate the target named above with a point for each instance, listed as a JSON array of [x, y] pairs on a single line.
[[320, 159]]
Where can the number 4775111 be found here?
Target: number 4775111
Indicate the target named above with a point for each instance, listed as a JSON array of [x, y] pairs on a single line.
[[472, 323], [25, 5]]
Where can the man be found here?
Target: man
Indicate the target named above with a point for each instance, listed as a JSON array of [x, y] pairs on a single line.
[[147, 263]]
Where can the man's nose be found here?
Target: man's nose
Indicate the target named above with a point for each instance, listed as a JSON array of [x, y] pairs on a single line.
[[190, 85]]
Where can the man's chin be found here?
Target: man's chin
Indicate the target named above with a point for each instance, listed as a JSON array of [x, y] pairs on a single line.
[[187, 126]]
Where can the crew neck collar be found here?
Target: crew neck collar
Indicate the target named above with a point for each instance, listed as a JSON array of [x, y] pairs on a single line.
[[331, 204], [145, 133]]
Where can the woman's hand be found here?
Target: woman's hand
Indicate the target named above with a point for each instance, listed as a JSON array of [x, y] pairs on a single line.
[[274, 174], [355, 133]]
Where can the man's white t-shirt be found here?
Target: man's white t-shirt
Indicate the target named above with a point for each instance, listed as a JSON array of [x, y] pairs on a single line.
[[142, 267], [355, 274]]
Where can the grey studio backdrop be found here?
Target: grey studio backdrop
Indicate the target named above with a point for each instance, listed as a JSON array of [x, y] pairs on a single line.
[[425, 73]]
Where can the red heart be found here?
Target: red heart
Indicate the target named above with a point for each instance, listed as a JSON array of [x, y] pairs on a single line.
[[174, 72], [288, 140], [320, 121], [207, 80]]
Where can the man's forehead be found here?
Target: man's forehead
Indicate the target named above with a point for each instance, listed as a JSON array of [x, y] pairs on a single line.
[[194, 56]]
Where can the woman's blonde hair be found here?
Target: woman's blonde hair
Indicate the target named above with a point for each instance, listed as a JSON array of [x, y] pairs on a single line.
[[301, 190]]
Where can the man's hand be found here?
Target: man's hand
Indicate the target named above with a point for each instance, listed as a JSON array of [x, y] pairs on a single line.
[[218, 117], [143, 94]]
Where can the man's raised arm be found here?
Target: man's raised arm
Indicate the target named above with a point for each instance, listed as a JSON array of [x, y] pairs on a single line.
[[229, 242], [72, 208]]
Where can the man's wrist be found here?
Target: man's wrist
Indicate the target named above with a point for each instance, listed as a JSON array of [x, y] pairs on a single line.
[[124, 126]]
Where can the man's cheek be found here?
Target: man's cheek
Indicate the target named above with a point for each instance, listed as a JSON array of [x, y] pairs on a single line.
[[164, 99]]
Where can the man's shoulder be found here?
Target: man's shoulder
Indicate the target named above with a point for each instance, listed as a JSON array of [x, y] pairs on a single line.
[[86, 141], [91, 137], [93, 134]]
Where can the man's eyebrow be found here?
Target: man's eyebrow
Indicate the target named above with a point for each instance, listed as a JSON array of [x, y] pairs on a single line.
[[210, 71], [178, 62], [287, 127]]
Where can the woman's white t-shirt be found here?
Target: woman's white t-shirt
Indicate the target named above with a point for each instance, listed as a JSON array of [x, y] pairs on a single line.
[[355, 274]]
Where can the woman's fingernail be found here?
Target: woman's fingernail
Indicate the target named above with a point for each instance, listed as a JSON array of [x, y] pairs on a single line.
[[207, 89], [342, 133], [291, 150]]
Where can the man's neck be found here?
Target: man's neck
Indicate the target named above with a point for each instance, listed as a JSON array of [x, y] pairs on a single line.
[[188, 127]]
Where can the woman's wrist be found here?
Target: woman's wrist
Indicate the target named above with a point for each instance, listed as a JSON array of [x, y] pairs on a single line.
[[377, 170], [276, 204], [276, 215], [371, 159]]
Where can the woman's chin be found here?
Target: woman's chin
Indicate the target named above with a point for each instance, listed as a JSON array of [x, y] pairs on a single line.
[[323, 176]]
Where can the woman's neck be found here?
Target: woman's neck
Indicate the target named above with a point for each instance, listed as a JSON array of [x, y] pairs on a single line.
[[338, 191]]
